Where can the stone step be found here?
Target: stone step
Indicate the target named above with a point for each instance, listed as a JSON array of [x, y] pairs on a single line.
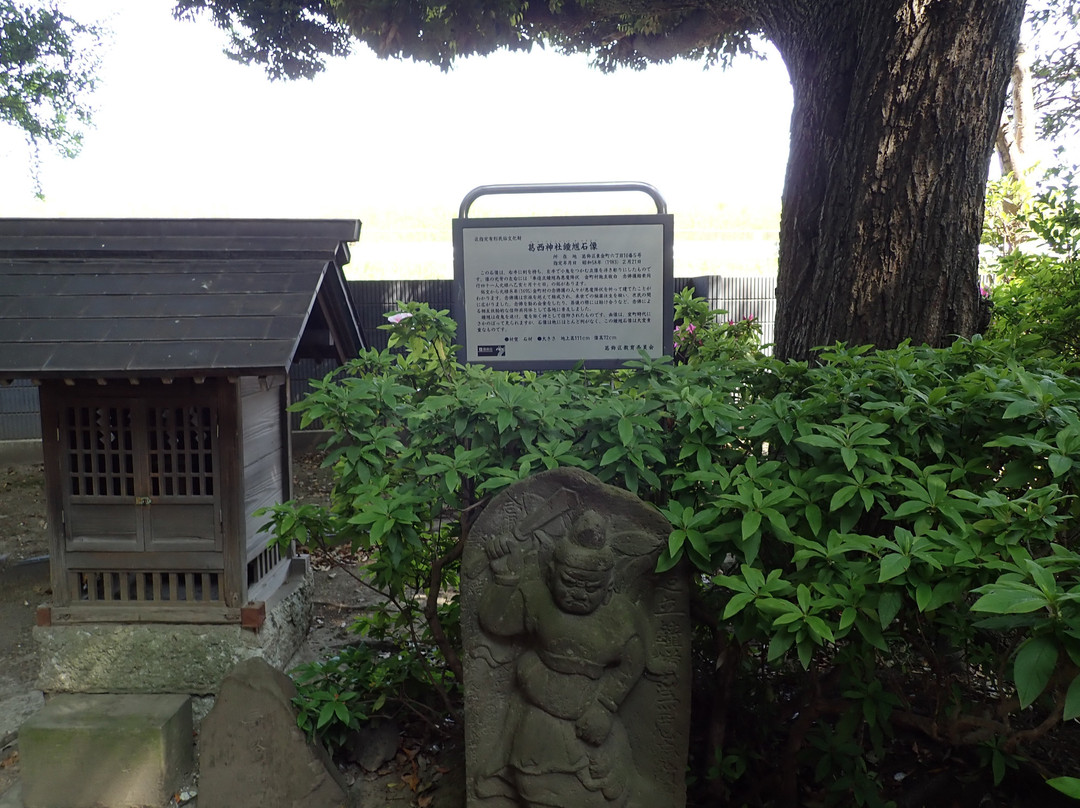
[[122, 751]]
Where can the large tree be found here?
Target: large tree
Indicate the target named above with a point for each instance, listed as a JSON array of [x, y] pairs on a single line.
[[896, 106]]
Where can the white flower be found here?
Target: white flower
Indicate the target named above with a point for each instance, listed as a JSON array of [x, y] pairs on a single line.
[[397, 318]]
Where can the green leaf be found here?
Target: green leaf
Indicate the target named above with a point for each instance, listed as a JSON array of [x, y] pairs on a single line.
[[342, 712], [848, 617], [997, 766], [892, 565], [737, 604], [1043, 578], [1072, 700], [453, 480], [751, 547], [1060, 464], [908, 508], [1035, 662], [751, 521], [675, 541], [888, 607], [755, 578], [778, 522], [806, 653], [613, 454], [842, 497], [922, 595], [1011, 601], [779, 645], [503, 420], [818, 440], [325, 714], [944, 593], [872, 634], [850, 458], [698, 542], [1069, 786], [819, 627], [668, 560], [1020, 407]]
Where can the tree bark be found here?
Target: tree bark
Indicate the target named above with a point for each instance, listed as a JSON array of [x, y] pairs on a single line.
[[897, 104]]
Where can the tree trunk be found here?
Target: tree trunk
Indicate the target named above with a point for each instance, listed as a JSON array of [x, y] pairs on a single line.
[[897, 104], [1017, 131]]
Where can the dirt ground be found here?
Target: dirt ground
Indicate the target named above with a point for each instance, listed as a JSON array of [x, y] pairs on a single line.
[[426, 777]]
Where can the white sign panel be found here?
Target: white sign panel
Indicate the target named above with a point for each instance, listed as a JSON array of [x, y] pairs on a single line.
[[552, 293]]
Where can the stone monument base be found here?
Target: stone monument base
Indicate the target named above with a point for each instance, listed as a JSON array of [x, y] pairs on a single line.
[[83, 750], [166, 657]]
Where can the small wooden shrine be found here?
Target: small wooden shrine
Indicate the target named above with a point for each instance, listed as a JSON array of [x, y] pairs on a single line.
[[161, 349]]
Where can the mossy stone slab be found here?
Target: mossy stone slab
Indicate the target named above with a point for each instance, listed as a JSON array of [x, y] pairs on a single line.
[[106, 751]]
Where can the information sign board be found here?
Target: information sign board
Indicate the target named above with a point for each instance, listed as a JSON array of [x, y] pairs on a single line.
[[549, 292]]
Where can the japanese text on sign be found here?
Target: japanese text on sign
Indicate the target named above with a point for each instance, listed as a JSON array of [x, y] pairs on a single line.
[[577, 292]]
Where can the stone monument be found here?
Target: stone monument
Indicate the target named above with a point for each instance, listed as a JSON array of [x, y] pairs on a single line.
[[577, 654]]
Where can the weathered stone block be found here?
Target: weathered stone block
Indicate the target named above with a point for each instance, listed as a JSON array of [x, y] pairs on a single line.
[[252, 754], [106, 751], [577, 654]]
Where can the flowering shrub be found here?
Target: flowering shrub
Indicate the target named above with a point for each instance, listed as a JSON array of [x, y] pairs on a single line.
[[702, 334], [886, 543]]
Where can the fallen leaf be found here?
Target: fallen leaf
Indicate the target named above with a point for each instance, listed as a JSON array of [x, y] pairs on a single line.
[[424, 801]]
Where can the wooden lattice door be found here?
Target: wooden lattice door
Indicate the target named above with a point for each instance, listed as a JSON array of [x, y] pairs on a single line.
[[140, 476]]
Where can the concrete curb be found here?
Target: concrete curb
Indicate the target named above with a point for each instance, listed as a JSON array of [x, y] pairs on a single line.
[[20, 452]]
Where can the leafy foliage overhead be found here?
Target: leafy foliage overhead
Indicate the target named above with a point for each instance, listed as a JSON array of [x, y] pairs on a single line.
[[294, 37], [1056, 24], [48, 64], [290, 38]]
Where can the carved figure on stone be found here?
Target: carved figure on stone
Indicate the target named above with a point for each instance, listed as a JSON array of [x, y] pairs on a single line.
[[577, 654]]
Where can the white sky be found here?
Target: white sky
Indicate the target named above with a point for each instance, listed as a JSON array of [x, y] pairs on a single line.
[[183, 131]]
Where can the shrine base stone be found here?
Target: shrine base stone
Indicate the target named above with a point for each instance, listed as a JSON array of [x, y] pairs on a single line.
[[167, 657]]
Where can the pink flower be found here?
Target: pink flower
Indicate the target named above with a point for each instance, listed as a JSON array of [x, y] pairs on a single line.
[[397, 318]]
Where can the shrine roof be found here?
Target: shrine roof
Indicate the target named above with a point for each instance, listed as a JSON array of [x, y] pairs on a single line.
[[190, 297]]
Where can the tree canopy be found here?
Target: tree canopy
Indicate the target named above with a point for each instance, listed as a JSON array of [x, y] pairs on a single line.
[[292, 38], [48, 62], [896, 107]]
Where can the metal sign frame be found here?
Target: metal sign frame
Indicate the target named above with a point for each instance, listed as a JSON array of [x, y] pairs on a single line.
[[550, 292]]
